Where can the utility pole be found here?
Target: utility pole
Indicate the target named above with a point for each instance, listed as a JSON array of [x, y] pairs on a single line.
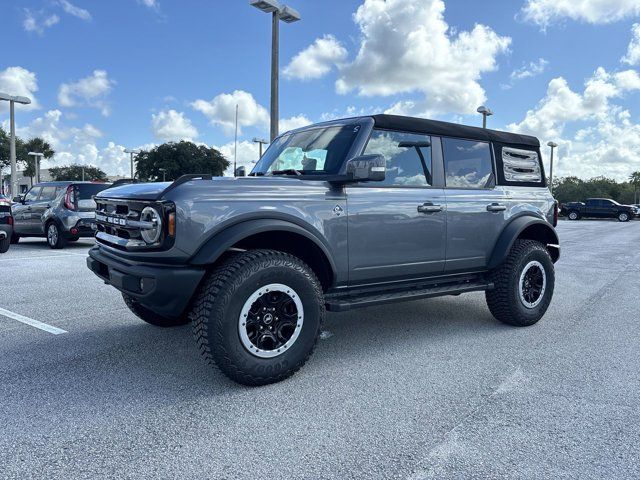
[[552, 145], [288, 15], [131, 152], [12, 145], [235, 145]]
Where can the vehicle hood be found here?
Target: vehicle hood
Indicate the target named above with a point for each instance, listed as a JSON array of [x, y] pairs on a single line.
[[224, 186]]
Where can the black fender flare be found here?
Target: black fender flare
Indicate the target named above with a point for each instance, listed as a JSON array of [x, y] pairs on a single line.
[[512, 231], [220, 242]]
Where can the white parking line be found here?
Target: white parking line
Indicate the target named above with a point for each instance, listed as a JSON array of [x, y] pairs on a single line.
[[32, 322], [35, 257]]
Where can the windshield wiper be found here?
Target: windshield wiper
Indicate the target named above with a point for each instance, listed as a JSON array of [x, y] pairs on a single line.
[[288, 171]]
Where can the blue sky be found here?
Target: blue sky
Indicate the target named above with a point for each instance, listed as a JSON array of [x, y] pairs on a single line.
[[132, 73]]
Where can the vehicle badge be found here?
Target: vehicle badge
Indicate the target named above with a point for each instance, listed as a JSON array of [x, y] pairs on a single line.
[[337, 210]]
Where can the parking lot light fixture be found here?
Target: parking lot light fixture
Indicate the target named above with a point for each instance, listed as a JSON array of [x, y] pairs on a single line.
[[260, 141], [164, 174], [551, 145], [131, 152], [12, 145], [288, 15], [37, 159], [485, 112]]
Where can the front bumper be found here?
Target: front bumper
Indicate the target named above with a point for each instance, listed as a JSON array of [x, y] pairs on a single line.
[[164, 289]]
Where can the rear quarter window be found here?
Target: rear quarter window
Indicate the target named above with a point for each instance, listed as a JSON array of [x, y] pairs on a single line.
[[519, 165]]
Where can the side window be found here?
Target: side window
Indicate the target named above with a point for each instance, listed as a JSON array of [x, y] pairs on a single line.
[[467, 163], [408, 157], [47, 193], [32, 195], [521, 165]]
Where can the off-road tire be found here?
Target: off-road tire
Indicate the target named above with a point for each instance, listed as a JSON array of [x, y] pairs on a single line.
[[14, 238], [624, 217], [5, 243], [55, 239], [573, 215], [504, 300], [219, 303], [151, 317]]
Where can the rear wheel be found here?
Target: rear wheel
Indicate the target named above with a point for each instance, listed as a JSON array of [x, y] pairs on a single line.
[[523, 285], [258, 316], [151, 317], [623, 217], [54, 236], [573, 216]]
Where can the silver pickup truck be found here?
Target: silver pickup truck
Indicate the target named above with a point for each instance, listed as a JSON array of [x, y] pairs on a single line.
[[335, 216]]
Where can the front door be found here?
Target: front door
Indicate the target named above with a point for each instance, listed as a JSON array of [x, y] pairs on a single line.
[[396, 228], [22, 212]]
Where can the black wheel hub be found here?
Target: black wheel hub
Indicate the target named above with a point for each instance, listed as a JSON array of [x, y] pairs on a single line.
[[532, 284], [272, 320]]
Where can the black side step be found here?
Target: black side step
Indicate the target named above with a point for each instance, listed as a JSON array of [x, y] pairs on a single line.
[[342, 302]]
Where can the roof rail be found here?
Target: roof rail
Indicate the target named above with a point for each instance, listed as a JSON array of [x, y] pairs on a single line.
[[183, 179]]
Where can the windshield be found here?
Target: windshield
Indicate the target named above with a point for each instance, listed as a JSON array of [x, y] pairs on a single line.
[[308, 152]]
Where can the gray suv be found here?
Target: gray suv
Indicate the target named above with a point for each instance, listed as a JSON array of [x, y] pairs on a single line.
[[59, 211], [346, 214]]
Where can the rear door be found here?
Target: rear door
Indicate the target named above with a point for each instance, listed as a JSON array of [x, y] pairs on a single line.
[[476, 208], [44, 201], [396, 227]]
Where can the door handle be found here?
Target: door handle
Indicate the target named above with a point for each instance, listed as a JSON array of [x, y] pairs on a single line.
[[429, 208], [496, 207]]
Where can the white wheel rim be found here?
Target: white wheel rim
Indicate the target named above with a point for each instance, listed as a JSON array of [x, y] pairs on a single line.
[[248, 322], [623, 217], [522, 284], [573, 216]]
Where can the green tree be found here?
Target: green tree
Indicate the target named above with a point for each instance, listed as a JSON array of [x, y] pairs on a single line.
[[5, 140], [74, 172], [634, 179], [179, 159], [35, 144]]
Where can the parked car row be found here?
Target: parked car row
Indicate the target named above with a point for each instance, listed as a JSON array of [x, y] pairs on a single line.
[[61, 212], [6, 224], [599, 208]]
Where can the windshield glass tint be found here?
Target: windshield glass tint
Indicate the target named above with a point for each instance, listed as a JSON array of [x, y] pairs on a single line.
[[314, 151]]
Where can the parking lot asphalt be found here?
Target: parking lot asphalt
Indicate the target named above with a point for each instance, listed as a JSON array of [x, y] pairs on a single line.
[[427, 389]]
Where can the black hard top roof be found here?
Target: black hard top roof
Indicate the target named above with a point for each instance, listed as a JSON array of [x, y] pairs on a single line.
[[435, 127]]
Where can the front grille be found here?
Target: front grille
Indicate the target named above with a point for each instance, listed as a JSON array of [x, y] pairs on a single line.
[[115, 217]]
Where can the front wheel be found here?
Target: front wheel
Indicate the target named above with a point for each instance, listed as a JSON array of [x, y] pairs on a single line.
[[55, 238], [573, 216], [523, 285], [623, 217], [258, 316], [151, 317]]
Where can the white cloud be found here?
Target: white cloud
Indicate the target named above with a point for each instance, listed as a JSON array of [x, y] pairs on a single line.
[[247, 155], [170, 125], [72, 9], [19, 81], [37, 22], [547, 12], [406, 47], [75, 144], [294, 122], [221, 110], [633, 52], [90, 91], [608, 142], [317, 59], [152, 4], [532, 69]]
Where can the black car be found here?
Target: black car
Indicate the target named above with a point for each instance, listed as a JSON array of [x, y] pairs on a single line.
[[59, 211], [598, 208]]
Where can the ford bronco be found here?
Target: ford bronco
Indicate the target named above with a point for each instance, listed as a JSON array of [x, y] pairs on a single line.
[[349, 213]]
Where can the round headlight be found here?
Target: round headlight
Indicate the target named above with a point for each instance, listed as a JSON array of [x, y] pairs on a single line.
[[151, 235]]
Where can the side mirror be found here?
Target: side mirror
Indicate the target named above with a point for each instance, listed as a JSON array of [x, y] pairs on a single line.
[[241, 172], [18, 199], [367, 168]]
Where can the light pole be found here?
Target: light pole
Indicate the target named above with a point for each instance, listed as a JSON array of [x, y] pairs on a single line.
[[260, 141], [486, 112], [286, 14], [164, 174], [37, 157], [12, 146], [131, 152], [552, 145]]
